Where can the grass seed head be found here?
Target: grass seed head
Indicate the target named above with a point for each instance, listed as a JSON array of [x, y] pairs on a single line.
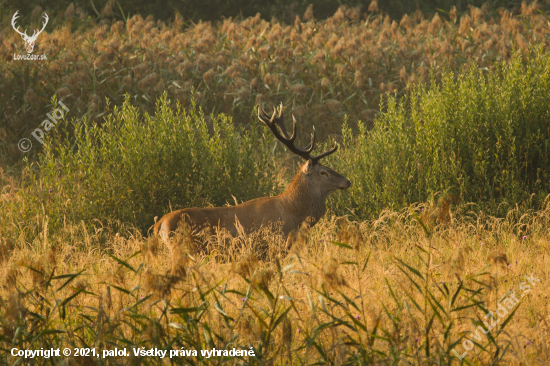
[[70, 12], [436, 24], [14, 308], [179, 260], [151, 246], [444, 211], [158, 284], [287, 333], [10, 278], [456, 262], [36, 270], [208, 76], [308, 14], [465, 24], [373, 7], [51, 256], [31, 98], [499, 259], [154, 332], [107, 10], [297, 239], [263, 277], [14, 313], [331, 275], [36, 13], [80, 285], [244, 328], [246, 266], [6, 247]]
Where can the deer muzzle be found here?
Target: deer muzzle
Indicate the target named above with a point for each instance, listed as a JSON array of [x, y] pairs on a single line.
[[346, 185]]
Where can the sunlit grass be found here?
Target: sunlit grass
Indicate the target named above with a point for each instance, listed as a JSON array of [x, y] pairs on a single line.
[[390, 290], [408, 287]]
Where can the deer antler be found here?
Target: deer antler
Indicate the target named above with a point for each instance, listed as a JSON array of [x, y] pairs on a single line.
[[25, 35], [35, 34], [277, 126], [13, 25]]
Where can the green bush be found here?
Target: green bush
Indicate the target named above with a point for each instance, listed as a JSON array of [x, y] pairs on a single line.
[[134, 167], [482, 134]]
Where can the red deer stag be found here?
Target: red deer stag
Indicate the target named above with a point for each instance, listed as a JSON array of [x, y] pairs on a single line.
[[303, 200]]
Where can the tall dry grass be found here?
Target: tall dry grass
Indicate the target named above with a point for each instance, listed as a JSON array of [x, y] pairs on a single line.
[[406, 288], [320, 69]]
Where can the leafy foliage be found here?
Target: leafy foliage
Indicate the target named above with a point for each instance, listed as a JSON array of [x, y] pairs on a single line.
[[481, 135], [319, 69], [133, 167]]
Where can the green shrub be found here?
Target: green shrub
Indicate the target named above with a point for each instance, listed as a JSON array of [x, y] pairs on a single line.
[[134, 167], [482, 134]]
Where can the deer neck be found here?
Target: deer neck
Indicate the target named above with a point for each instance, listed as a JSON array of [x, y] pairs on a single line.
[[303, 199]]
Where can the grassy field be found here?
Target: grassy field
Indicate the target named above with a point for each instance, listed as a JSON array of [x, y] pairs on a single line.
[[388, 291], [442, 237]]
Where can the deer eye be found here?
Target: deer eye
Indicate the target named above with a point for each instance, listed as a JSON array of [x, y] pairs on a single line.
[[324, 173]]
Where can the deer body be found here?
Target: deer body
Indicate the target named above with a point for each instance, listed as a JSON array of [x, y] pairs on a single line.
[[304, 200]]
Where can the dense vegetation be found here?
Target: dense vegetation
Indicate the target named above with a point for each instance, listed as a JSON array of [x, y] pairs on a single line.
[[481, 137], [320, 70], [179, 162], [444, 130], [386, 293]]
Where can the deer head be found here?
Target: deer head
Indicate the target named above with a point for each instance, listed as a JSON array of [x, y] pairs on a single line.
[[29, 41], [320, 180]]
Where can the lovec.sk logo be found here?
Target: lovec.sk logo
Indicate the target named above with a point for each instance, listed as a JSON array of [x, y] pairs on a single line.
[[29, 40]]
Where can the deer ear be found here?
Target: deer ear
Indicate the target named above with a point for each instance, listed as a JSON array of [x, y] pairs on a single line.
[[308, 167]]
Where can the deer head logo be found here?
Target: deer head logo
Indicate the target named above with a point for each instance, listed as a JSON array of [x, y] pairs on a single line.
[[29, 41]]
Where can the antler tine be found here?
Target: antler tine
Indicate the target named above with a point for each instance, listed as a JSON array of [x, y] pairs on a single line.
[[276, 125], [315, 159], [44, 23], [271, 123], [13, 19], [311, 145], [275, 121], [36, 31], [279, 121], [262, 116]]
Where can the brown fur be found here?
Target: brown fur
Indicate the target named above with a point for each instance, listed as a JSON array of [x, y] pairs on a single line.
[[303, 200]]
